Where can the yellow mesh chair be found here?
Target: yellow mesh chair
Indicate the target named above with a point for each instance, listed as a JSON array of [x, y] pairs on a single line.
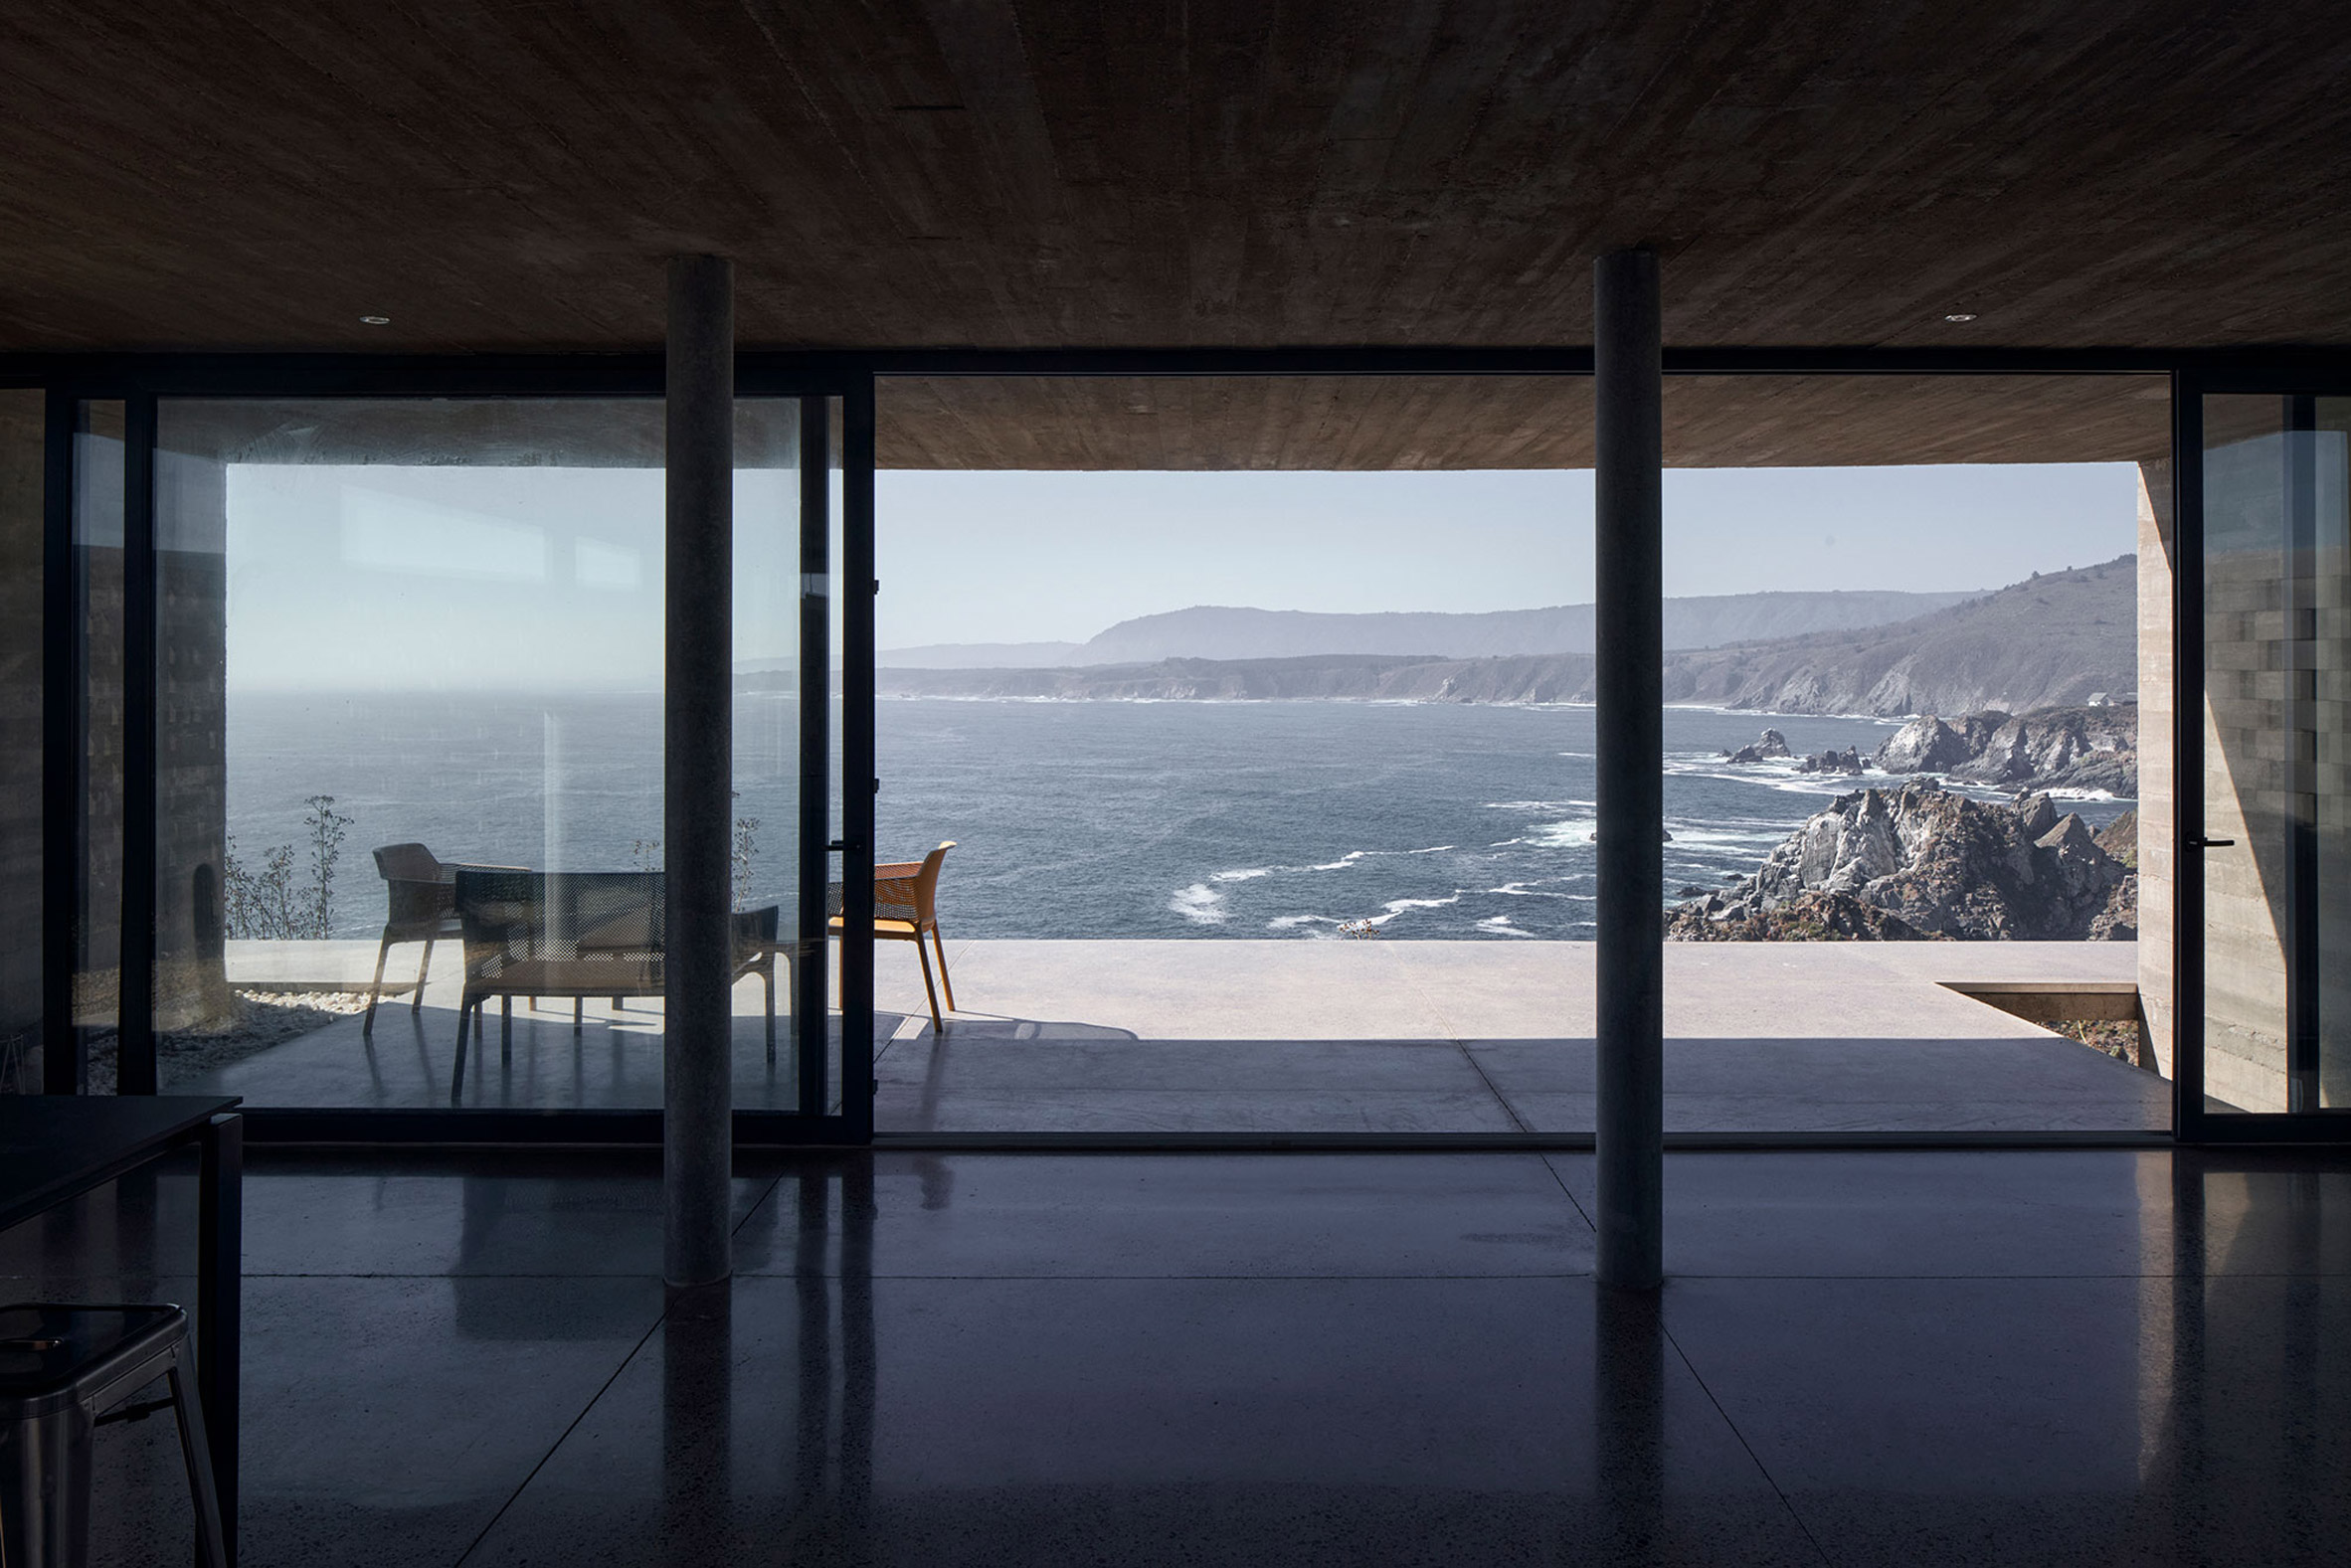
[[905, 909]]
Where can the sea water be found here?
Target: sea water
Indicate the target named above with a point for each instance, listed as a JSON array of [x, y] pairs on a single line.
[[1072, 820]]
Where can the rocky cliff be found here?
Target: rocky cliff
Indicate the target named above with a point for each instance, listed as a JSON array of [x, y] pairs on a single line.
[[2047, 641], [1363, 677], [1210, 631], [1921, 861], [2051, 748], [2035, 644]]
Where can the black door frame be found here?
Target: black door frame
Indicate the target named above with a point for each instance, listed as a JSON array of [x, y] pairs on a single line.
[[2295, 383]]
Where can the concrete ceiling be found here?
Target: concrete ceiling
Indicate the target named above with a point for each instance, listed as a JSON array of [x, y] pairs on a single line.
[[1510, 422], [1245, 423], [262, 173]]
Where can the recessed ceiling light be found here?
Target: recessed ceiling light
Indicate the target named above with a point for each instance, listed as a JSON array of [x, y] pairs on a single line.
[[380, 321], [1961, 315]]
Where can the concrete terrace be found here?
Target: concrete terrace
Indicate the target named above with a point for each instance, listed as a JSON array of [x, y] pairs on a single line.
[[1348, 1038]]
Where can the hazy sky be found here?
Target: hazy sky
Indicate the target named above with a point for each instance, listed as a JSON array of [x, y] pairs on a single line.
[[1006, 557], [382, 577]]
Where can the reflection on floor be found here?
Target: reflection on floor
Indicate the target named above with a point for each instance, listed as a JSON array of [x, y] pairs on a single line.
[[1910, 1359], [1309, 1036]]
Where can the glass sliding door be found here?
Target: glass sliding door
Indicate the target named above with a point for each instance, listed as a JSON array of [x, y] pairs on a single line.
[[787, 748], [409, 736], [2268, 848]]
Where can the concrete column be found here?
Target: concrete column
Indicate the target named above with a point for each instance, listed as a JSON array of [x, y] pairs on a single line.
[[698, 1106], [1629, 444]]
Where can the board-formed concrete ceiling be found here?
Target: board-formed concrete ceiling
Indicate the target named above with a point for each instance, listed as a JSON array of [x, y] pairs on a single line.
[[1509, 422], [937, 173], [1246, 423]]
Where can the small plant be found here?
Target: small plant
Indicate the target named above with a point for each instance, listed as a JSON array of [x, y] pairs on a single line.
[[327, 826], [740, 858], [741, 855], [267, 903]]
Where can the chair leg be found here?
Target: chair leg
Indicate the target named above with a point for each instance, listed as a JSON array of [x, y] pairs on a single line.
[[198, 1455], [945, 983], [768, 975], [579, 1013], [938, 1025], [416, 1003], [465, 1023], [375, 992], [506, 1031]]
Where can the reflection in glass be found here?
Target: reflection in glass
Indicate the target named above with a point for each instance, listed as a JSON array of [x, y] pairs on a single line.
[[96, 841], [21, 427], [399, 638], [2278, 738]]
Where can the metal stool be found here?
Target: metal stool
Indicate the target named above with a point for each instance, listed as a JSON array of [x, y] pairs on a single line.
[[60, 1367]]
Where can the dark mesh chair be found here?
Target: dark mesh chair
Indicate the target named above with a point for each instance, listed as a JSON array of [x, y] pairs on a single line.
[[579, 934], [422, 906]]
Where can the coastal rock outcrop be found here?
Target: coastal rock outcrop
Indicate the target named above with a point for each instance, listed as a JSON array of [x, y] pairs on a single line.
[[1847, 761], [1815, 915], [2047, 749], [1764, 746], [1923, 861]]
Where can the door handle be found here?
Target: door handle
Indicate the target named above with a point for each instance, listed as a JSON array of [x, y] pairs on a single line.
[[2211, 844]]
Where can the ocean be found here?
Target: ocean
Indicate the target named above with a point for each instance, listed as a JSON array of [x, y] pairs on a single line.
[[1072, 820]]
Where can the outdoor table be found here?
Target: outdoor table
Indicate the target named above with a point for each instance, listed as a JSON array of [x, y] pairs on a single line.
[[55, 1147]]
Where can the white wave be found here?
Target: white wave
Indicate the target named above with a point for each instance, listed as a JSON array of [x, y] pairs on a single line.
[[1342, 862], [2071, 793], [1249, 875], [1433, 849], [1586, 756], [1689, 835], [1574, 834], [1522, 890], [1399, 906], [1200, 904], [1499, 926]]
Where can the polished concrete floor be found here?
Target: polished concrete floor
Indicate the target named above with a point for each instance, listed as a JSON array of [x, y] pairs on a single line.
[[1348, 1038], [1860, 1359]]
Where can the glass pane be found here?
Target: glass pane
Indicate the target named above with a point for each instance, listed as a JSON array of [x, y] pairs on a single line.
[[21, 424], [2328, 439], [1260, 711], [96, 842], [402, 645], [1915, 773], [2276, 743], [775, 589]]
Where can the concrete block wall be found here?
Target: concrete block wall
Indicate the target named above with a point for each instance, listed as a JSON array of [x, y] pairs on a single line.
[[191, 737], [2255, 774], [20, 739]]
